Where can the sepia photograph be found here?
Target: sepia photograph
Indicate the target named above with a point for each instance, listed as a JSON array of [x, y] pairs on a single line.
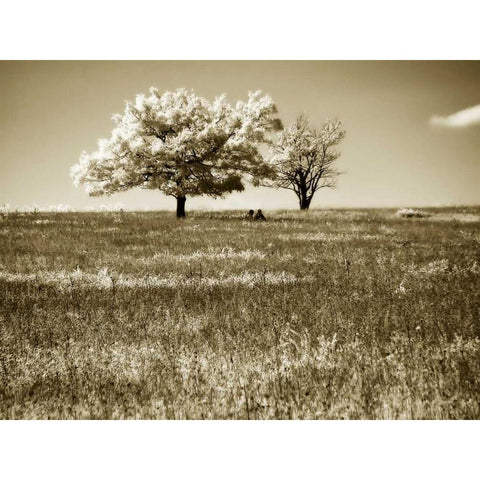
[[239, 241]]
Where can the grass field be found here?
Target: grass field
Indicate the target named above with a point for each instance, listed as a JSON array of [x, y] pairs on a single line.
[[319, 315]]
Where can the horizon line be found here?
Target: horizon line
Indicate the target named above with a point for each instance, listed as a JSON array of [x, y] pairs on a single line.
[[67, 209]]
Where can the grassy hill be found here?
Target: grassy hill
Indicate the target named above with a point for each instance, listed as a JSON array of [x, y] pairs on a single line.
[[320, 315]]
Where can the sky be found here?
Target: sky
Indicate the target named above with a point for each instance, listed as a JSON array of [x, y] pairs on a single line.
[[413, 128]]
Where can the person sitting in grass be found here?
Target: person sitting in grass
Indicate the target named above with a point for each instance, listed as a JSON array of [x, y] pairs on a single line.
[[259, 216], [249, 215]]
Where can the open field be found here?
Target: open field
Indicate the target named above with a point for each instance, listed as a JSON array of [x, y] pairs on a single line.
[[318, 315]]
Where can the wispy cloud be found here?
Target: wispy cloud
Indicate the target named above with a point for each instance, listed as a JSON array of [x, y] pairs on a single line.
[[461, 119]]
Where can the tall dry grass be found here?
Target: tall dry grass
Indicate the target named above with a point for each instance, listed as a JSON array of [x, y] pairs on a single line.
[[323, 315]]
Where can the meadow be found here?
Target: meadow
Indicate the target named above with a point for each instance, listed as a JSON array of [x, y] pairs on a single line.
[[327, 314]]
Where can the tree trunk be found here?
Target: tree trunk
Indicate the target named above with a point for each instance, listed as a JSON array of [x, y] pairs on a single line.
[[303, 193], [181, 206], [304, 202]]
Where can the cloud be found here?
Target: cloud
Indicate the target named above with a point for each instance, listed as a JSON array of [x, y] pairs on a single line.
[[461, 119]]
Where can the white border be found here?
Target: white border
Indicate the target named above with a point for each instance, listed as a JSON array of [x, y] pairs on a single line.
[[247, 29], [250, 29], [243, 450]]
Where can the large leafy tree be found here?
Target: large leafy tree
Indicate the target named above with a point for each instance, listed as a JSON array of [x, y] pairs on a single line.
[[183, 145], [304, 158]]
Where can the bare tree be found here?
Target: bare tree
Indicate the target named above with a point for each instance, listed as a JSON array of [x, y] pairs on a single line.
[[304, 158]]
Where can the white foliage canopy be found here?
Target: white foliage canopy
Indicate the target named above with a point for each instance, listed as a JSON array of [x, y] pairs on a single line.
[[181, 144]]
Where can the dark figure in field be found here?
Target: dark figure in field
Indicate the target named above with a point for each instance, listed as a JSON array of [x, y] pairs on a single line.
[[249, 215], [259, 216]]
